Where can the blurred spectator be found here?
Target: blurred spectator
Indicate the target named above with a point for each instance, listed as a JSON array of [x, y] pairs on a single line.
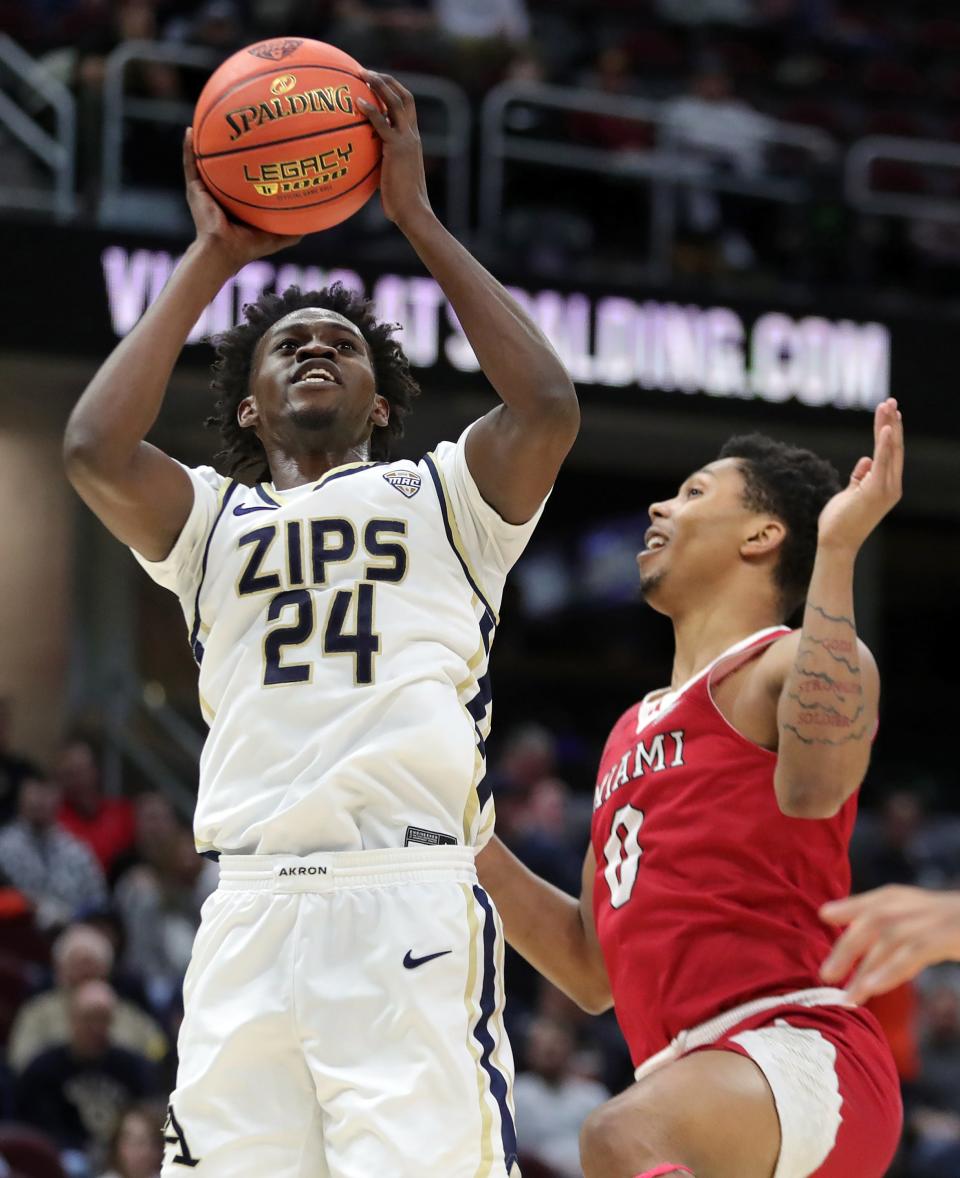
[[399, 34], [156, 833], [160, 904], [528, 756], [479, 40], [137, 1147], [127, 983], [77, 1093], [611, 73], [83, 34], [718, 133], [545, 837], [891, 854], [934, 1110], [13, 767], [530, 753], [213, 24], [940, 1049], [698, 12], [602, 1054], [53, 869], [552, 1101], [936, 1150], [81, 954], [105, 824], [495, 21], [710, 124], [526, 65]]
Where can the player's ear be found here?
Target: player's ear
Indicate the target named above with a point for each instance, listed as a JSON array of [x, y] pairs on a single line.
[[247, 415], [765, 535], [380, 413]]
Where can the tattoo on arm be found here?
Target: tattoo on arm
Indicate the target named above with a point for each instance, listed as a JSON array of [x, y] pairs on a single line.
[[821, 702], [826, 709], [857, 734], [830, 617], [819, 682], [831, 646]]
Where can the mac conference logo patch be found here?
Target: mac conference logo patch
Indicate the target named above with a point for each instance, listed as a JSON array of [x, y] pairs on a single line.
[[407, 482], [275, 50]]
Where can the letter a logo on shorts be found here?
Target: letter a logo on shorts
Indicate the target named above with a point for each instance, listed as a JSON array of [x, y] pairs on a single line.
[[184, 1157]]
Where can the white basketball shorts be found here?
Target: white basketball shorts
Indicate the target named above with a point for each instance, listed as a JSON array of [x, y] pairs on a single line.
[[344, 1019]]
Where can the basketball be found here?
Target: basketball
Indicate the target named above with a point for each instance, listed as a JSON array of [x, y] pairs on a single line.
[[279, 138]]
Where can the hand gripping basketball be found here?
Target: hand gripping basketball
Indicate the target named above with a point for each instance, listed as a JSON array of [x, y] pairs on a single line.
[[242, 243], [403, 185]]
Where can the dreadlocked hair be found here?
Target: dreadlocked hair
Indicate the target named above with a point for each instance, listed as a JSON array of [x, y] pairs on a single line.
[[794, 485], [242, 454]]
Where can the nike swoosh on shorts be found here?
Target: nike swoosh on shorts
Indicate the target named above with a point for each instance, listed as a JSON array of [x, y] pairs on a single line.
[[411, 962]]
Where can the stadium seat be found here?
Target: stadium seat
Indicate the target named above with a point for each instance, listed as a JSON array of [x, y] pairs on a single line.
[[896, 176], [28, 1152], [940, 34], [892, 77], [21, 938], [16, 977]]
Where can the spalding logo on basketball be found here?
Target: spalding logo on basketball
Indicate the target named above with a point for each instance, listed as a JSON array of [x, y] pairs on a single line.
[[282, 84], [290, 153]]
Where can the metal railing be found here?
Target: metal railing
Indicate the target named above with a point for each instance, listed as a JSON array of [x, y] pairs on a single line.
[[446, 129], [124, 203], [57, 151], [452, 144], [153, 740], [915, 154], [139, 205], [663, 167]]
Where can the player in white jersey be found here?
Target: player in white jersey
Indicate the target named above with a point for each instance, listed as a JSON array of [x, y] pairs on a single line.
[[343, 1006]]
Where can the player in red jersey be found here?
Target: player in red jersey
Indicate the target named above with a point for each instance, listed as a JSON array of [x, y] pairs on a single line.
[[723, 810]]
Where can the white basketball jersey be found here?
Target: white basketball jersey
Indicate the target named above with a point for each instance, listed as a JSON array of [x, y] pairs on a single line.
[[343, 631]]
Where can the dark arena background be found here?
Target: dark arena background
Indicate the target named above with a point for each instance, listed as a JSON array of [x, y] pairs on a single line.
[[727, 215]]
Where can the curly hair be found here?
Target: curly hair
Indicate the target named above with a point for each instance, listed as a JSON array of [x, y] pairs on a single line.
[[794, 485], [242, 453]]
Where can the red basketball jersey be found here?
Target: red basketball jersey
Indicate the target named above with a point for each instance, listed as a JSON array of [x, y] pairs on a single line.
[[705, 896]]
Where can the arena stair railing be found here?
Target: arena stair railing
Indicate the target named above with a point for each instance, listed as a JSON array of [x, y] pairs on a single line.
[[38, 91]]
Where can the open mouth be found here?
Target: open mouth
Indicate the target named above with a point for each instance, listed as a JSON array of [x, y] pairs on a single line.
[[653, 541], [316, 377], [315, 372]]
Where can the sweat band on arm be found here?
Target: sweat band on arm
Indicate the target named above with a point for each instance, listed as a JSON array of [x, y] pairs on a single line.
[[662, 1170]]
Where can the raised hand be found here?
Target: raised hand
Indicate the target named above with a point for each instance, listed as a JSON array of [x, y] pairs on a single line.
[[242, 243], [891, 934], [875, 486], [403, 185]]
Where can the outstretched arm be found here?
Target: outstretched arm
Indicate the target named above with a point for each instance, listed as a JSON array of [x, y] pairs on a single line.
[[140, 493], [551, 930], [891, 934], [823, 679], [515, 452]]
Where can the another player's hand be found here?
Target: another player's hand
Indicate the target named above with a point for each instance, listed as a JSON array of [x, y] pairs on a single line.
[[241, 243], [892, 933], [403, 185], [875, 486]]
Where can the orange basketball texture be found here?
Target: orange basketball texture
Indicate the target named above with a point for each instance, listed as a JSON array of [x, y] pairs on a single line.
[[280, 140]]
